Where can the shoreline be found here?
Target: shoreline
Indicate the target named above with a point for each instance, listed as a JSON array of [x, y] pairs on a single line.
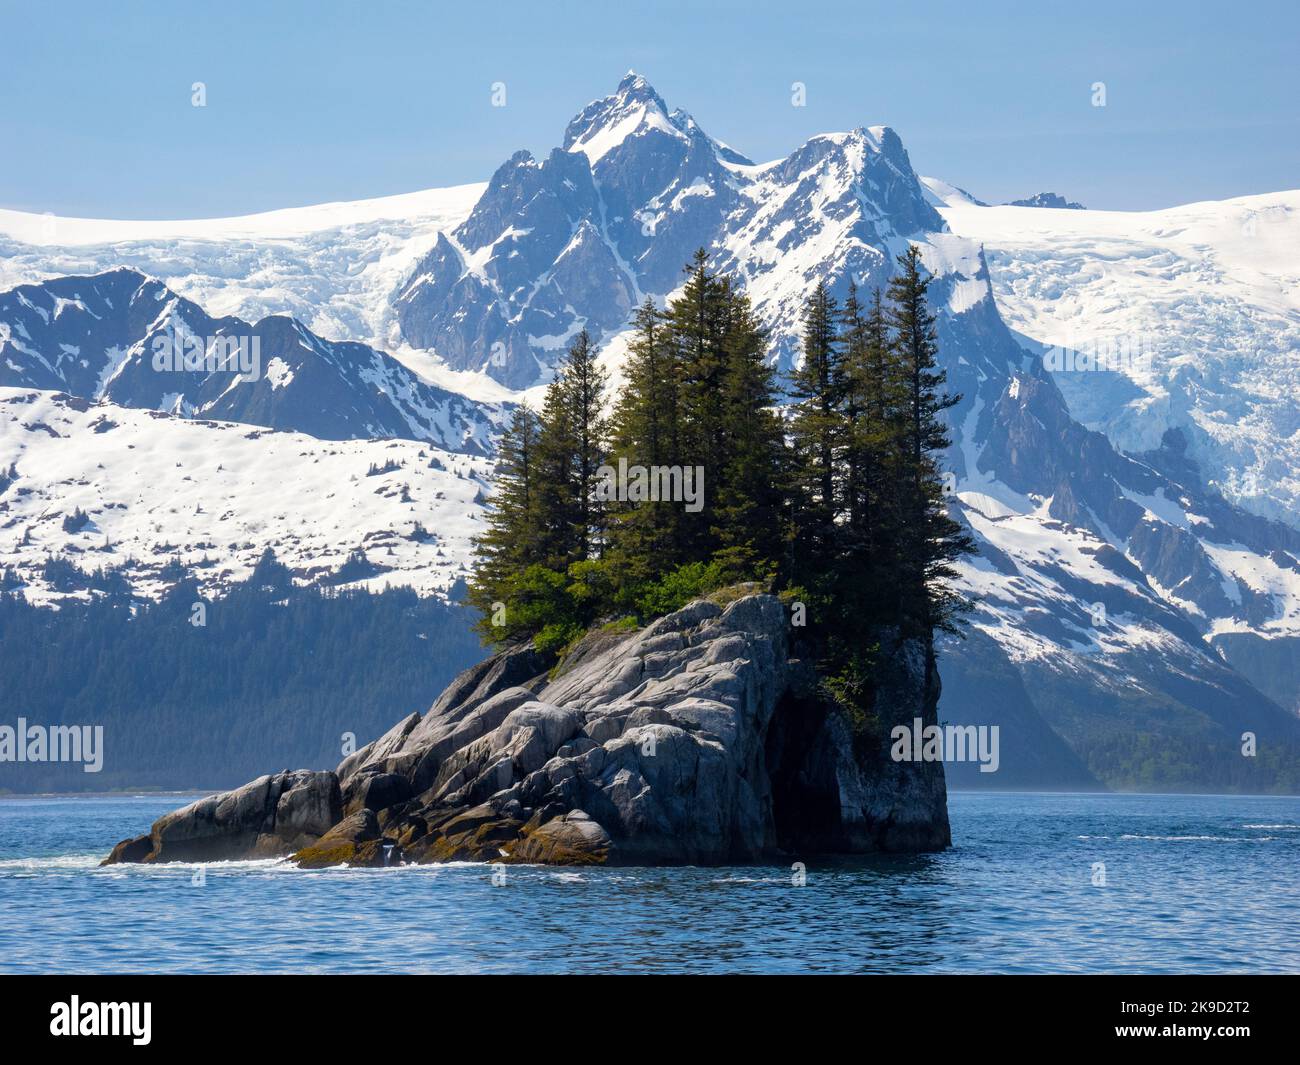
[[147, 793]]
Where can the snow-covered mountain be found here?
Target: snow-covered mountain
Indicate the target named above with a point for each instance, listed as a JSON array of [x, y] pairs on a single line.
[[125, 338], [332, 266], [1191, 317], [613, 215], [103, 486], [1116, 584]]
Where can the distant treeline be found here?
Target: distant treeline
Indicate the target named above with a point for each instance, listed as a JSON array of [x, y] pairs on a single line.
[[272, 679]]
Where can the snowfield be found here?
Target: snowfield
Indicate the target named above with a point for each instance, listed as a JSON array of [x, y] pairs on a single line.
[[1208, 294], [215, 494], [334, 266]]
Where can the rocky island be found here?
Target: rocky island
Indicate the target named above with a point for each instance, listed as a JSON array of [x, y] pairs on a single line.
[[650, 700], [699, 739]]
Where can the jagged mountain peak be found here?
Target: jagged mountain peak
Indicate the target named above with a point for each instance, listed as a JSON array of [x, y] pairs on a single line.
[[634, 109], [644, 187], [877, 138], [635, 85], [873, 160]]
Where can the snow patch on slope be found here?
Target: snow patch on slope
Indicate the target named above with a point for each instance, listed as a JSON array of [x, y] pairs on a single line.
[[215, 494], [1206, 295], [334, 266]]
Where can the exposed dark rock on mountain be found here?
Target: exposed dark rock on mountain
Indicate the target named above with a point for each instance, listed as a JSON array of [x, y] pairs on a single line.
[[698, 740], [104, 338], [1168, 713], [578, 239], [1047, 199]]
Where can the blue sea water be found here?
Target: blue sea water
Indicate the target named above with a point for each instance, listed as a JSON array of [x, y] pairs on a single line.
[[1193, 884]]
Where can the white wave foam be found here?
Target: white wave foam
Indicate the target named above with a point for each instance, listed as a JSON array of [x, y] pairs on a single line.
[[1202, 839]]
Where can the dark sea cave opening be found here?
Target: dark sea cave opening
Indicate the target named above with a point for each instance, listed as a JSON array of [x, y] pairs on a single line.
[[801, 768]]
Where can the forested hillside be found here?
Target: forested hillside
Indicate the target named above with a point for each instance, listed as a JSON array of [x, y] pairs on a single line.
[[273, 678]]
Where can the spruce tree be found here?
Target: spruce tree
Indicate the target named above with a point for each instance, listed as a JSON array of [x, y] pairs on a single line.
[[858, 388], [555, 545], [817, 433], [507, 548], [586, 381], [644, 537], [696, 324], [571, 447], [931, 540], [875, 410], [750, 489]]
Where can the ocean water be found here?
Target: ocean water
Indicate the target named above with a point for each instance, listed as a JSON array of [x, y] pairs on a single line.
[[1192, 884]]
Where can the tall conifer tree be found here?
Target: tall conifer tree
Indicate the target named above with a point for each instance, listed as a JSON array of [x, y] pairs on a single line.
[[508, 546], [817, 435], [696, 328], [931, 540], [645, 537], [750, 512], [571, 448]]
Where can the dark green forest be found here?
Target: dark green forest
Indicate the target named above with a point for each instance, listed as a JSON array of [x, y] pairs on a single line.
[[272, 680]]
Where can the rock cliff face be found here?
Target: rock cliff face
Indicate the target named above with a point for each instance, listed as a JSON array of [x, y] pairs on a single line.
[[697, 740]]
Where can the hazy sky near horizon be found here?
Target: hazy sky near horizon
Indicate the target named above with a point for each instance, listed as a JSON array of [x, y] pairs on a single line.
[[314, 102]]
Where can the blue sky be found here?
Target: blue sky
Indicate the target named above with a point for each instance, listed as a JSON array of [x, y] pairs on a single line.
[[311, 102]]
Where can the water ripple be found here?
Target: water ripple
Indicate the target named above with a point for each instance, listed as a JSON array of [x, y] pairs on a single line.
[[1020, 892]]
